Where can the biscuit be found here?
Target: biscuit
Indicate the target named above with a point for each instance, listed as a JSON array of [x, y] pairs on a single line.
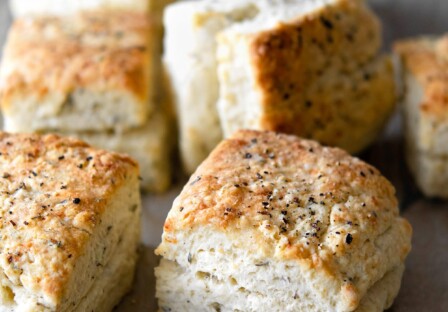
[[425, 72], [274, 65], [271, 222], [70, 224], [92, 71]]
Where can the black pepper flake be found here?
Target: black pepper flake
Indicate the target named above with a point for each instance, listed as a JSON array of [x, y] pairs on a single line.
[[63, 187], [349, 222], [349, 239], [363, 204], [284, 212], [362, 174], [69, 256], [33, 173], [248, 156], [89, 158], [76, 201], [339, 233], [259, 176], [229, 209], [254, 141], [308, 104], [61, 157], [25, 222], [311, 150], [80, 166], [6, 175], [236, 185], [10, 259], [12, 222], [181, 209], [327, 23], [264, 213]]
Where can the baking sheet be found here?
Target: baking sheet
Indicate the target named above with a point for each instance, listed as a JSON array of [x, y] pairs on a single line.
[[425, 282]]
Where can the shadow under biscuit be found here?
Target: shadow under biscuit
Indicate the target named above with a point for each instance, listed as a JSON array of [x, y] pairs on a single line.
[[142, 296]]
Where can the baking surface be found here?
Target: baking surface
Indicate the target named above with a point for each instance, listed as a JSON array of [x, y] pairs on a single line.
[[425, 283]]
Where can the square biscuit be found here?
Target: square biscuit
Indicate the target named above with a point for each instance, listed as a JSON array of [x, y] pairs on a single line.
[[272, 222], [425, 110], [274, 65], [91, 71], [70, 224]]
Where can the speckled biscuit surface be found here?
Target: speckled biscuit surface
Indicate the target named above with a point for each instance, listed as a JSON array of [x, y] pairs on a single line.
[[57, 233], [285, 202], [94, 67]]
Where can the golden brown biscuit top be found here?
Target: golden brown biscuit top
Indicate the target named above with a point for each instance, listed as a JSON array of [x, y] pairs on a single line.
[[102, 50], [426, 59], [313, 196], [53, 193], [295, 200]]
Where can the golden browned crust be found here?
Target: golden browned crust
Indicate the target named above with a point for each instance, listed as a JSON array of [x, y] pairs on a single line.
[[311, 70], [299, 201], [53, 194], [101, 50], [426, 59]]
